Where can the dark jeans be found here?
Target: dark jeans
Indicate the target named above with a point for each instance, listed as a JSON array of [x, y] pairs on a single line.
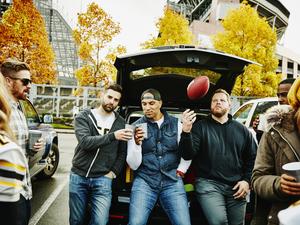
[[15, 213], [218, 203]]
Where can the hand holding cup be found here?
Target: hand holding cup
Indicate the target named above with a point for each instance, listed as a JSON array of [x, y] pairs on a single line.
[[290, 180], [124, 134], [139, 135]]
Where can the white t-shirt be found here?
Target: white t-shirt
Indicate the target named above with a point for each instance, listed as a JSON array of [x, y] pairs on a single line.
[[104, 123]]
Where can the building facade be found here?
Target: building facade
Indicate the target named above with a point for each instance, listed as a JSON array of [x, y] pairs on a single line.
[[205, 16], [60, 37]]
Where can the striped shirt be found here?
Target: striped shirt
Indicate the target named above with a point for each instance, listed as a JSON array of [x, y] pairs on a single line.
[[14, 172], [18, 125]]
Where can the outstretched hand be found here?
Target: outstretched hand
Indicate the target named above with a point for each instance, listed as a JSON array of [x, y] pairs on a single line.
[[188, 118], [123, 134]]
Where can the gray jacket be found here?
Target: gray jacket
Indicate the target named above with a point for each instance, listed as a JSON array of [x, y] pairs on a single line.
[[96, 155]]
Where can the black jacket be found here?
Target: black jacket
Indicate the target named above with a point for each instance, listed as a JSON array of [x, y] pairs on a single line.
[[221, 152], [96, 155]]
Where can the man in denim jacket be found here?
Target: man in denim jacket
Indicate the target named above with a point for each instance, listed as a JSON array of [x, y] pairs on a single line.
[[155, 160]]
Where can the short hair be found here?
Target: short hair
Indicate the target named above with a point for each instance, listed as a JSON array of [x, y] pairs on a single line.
[[115, 87], [220, 90], [152, 91], [287, 81], [11, 66]]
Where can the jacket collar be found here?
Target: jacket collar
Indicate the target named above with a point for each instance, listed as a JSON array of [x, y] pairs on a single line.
[[166, 118], [280, 116]]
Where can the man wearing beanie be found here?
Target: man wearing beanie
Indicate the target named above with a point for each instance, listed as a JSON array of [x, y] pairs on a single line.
[[280, 144]]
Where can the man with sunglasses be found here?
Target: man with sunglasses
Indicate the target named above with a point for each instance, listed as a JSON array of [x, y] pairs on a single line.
[[17, 75]]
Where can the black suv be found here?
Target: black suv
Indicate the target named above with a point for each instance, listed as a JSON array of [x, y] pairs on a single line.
[[169, 69], [42, 164]]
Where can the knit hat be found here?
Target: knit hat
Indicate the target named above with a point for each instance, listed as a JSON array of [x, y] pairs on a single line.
[[294, 94]]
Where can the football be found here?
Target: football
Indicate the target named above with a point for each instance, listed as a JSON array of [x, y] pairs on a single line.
[[198, 87]]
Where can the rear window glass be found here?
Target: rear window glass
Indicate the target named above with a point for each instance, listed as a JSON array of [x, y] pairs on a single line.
[[152, 71], [136, 115]]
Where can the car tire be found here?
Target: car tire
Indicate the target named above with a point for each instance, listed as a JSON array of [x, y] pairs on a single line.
[[51, 163]]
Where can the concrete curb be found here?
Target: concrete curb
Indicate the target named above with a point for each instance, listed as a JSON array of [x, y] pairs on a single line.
[[65, 131]]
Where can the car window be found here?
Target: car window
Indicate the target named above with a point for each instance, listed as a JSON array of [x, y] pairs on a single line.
[[242, 114], [154, 71], [30, 114], [136, 115], [261, 108]]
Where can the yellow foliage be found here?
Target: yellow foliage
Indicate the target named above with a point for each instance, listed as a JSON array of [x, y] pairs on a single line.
[[24, 37], [173, 29], [95, 29], [249, 36]]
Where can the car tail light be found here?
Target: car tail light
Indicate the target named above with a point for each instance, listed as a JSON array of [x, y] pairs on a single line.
[[116, 216]]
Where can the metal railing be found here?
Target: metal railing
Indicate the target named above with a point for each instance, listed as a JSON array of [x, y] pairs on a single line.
[[60, 101]]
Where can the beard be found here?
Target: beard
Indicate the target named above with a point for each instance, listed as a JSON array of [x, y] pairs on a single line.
[[108, 107], [218, 113]]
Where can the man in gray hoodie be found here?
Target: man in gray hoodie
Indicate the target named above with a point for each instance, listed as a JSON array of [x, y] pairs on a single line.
[[99, 157]]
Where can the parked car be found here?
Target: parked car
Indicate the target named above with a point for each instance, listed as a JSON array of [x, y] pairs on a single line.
[[247, 112], [166, 69], [42, 164]]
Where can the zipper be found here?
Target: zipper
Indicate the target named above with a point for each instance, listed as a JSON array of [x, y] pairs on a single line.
[[93, 161], [293, 150]]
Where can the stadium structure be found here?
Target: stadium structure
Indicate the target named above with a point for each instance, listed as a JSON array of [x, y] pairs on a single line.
[[205, 16], [60, 37]]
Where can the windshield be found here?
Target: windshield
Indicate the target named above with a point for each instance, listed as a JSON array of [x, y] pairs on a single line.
[[154, 71]]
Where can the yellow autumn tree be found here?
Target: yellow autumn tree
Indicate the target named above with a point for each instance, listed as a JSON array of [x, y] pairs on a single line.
[[247, 35], [95, 29], [173, 29], [24, 37]]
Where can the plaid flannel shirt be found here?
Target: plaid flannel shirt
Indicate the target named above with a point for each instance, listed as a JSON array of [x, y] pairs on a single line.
[[18, 125]]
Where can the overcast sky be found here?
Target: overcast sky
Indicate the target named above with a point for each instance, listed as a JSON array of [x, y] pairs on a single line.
[[137, 19]]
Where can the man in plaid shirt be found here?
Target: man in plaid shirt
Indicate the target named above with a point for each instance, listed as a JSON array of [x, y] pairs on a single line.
[[17, 76]]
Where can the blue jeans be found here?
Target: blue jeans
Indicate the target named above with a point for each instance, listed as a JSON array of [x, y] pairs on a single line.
[[218, 203], [96, 192], [171, 196]]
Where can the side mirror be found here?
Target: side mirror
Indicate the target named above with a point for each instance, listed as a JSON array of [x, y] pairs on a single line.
[[48, 118]]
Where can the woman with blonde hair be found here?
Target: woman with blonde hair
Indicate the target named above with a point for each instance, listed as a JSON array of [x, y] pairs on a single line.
[[14, 173]]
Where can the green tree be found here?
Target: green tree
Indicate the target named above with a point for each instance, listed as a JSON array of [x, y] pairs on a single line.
[[24, 37], [95, 29], [247, 35]]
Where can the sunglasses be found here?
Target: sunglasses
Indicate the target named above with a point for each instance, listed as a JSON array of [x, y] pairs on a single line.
[[282, 94], [24, 81]]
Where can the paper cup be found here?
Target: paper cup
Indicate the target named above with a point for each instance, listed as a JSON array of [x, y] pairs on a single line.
[[262, 122], [292, 169], [129, 126], [145, 129], [34, 136]]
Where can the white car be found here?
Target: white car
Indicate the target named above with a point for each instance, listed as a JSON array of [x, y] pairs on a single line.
[[247, 112]]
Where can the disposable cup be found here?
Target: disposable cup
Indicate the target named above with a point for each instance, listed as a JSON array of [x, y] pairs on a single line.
[[292, 169], [144, 127], [130, 126], [34, 136]]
